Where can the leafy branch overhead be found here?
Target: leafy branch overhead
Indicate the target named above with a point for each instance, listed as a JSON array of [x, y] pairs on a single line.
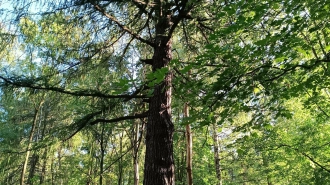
[[32, 83], [268, 47]]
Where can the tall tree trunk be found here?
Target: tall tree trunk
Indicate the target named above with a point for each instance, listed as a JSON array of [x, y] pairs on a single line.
[[136, 153], [216, 154], [120, 162], [28, 148], [59, 158], [189, 147], [44, 167], [159, 161], [91, 164], [102, 148], [136, 171], [45, 152], [33, 164], [52, 170]]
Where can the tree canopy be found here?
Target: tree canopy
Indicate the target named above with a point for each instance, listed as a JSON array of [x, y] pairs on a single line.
[[90, 90]]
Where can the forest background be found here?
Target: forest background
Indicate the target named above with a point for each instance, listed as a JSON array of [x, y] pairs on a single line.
[[164, 91]]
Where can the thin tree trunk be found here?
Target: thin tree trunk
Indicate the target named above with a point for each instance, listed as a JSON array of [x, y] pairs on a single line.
[[181, 160], [59, 156], [33, 164], [102, 148], [216, 154], [52, 170], [91, 164], [136, 154], [181, 167], [189, 147], [120, 162], [44, 166], [45, 152], [136, 172], [34, 123], [159, 160]]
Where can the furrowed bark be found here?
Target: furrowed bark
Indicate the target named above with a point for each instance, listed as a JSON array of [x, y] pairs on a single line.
[[159, 161]]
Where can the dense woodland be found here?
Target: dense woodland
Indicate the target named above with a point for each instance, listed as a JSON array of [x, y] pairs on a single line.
[[164, 92]]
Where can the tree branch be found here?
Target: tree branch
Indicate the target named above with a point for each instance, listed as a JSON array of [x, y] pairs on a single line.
[[307, 156], [82, 123], [138, 2], [142, 5], [90, 93], [142, 115], [147, 61], [183, 12], [136, 36]]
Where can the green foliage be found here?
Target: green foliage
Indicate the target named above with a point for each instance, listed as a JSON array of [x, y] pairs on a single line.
[[257, 69], [157, 77]]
